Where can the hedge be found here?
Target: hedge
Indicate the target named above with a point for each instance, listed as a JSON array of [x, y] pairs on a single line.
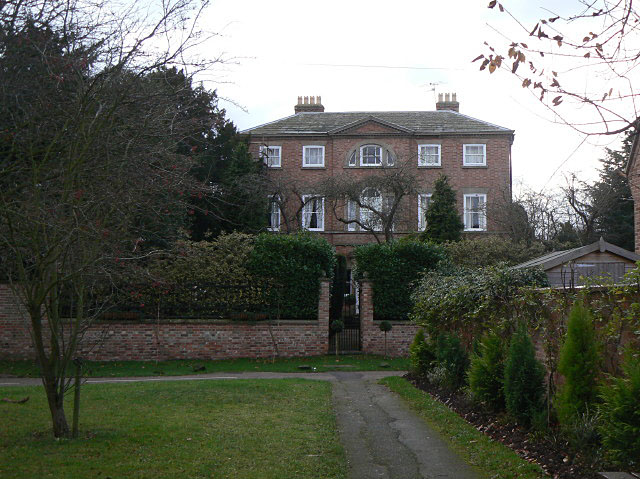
[[293, 264], [393, 269], [234, 276]]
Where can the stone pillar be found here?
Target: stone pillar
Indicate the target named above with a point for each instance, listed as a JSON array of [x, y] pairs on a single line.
[[366, 314], [323, 316]]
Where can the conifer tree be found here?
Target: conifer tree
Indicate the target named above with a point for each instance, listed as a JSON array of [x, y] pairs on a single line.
[[579, 365], [523, 378], [443, 221]]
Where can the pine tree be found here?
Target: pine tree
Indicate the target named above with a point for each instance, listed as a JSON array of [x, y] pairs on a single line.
[[443, 221]]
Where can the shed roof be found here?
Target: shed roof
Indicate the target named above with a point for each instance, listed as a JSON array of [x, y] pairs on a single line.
[[556, 258], [411, 122]]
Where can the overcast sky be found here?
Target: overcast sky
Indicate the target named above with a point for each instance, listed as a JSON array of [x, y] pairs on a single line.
[[390, 55]]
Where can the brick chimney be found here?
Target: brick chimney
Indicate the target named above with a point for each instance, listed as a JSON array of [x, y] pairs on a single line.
[[445, 102], [313, 103]]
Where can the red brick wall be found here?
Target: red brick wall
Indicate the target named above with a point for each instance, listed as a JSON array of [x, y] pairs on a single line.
[[398, 339], [178, 340]]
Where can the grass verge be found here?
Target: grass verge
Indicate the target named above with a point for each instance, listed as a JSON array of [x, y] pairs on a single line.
[[490, 458], [184, 367], [194, 429]]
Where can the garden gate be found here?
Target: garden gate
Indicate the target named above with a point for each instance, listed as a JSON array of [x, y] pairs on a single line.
[[348, 311]]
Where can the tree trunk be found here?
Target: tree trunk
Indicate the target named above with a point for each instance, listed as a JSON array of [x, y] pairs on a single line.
[[58, 418]]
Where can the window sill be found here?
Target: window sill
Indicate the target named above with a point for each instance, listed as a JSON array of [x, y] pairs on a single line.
[[371, 167], [474, 166], [274, 167], [306, 167], [429, 167], [475, 230]]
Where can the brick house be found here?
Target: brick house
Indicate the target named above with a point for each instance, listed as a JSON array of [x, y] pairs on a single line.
[[312, 148], [633, 174]]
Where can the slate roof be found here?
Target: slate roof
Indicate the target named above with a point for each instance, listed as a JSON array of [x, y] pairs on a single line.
[[408, 122], [551, 260]]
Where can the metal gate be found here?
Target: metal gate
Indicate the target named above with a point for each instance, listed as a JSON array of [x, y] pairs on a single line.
[[348, 340]]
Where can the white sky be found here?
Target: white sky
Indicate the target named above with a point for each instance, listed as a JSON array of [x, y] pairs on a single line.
[[284, 48]]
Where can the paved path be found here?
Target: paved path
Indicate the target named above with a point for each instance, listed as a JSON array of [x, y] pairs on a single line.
[[383, 438]]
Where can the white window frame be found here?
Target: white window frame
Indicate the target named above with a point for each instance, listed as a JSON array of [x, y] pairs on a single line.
[[274, 212], [422, 156], [306, 200], [464, 154], [482, 219], [367, 216], [264, 154], [374, 165], [422, 221], [304, 157], [352, 212]]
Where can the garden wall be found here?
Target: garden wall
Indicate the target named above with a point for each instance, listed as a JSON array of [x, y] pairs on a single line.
[[149, 340], [398, 339]]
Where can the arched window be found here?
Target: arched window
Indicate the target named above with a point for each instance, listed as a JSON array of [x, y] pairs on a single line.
[[371, 155]]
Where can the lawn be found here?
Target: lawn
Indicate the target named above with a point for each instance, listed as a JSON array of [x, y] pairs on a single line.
[[182, 367], [491, 459], [282, 428]]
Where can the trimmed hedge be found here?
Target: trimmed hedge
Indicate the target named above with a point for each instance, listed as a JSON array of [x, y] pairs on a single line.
[[393, 268], [293, 264]]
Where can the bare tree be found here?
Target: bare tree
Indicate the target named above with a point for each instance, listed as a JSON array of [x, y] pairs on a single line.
[[89, 161], [554, 56], [372, 202]]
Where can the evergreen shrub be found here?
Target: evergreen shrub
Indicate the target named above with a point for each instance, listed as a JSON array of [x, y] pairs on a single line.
[[579, 364], [453, 359], [620, 413], [293, 264], [486, 372], [421, 354], [393, 268], [443, 222], [523, 378]]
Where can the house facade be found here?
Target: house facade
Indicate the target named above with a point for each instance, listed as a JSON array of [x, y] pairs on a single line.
[[354, 176]]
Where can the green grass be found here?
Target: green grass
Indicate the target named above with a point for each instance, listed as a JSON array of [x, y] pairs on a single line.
[[240, 429], [491, 459], [183, 367]]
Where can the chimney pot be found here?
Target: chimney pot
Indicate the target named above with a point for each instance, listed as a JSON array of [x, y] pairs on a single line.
[[450, 102], [309, 104]]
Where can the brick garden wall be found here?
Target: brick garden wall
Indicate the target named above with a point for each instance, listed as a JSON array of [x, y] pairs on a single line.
[[129, 340], [398, 339]]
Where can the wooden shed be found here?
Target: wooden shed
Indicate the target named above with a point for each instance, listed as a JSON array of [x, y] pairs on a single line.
[[570, 267]]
